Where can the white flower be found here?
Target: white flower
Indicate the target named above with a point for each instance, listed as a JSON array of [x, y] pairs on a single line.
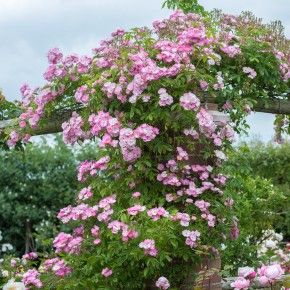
[[219, 154], [219, 78], [133, 99], [270, 244], [5, 273], [23, 261], [211, 61], [279, 237], [262, 250], [12, 285], [6, 247]]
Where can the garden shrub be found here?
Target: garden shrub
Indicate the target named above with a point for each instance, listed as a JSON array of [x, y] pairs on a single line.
[[35, 183], [272, 162]]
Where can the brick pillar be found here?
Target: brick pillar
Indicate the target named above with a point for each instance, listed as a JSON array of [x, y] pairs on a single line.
[[213, 266], [208, 275], [208, 271]]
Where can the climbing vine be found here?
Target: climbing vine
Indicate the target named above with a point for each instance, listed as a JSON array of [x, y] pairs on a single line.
[[153, 202]]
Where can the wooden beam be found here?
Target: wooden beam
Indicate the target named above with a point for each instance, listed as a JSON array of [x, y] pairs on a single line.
[[273, 106], [53, 124], [281, 107]]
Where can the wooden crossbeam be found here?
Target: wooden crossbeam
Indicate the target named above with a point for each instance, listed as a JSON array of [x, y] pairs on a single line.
[[53, 124]]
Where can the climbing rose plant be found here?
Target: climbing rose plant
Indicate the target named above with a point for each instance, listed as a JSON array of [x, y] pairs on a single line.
[[152, 205]]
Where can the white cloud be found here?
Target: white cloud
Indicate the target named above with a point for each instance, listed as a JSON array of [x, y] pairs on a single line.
[[30, 27]]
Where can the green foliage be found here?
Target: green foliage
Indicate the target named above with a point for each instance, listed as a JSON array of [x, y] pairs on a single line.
[[185, 5], [271, 162], [34, 184], [259, 184], [8, 109]]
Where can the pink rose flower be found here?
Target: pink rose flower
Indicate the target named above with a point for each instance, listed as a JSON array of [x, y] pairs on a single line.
[[134, 210], [189, 101], [162, 283], [270, 274], [241, 284], [247, 272], [136, 194], [106, 272]]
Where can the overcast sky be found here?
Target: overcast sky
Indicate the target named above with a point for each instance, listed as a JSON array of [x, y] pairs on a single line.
[[30, 27]]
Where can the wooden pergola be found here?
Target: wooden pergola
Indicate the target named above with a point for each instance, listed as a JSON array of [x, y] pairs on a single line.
[[53, 125]]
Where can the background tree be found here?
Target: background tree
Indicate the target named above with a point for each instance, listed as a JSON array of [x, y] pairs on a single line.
[[267, 161], [185, 5], [34, 184]]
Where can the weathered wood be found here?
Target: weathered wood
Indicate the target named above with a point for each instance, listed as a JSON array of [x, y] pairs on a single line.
[[53, 124], [281, 107], [273, 106]]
